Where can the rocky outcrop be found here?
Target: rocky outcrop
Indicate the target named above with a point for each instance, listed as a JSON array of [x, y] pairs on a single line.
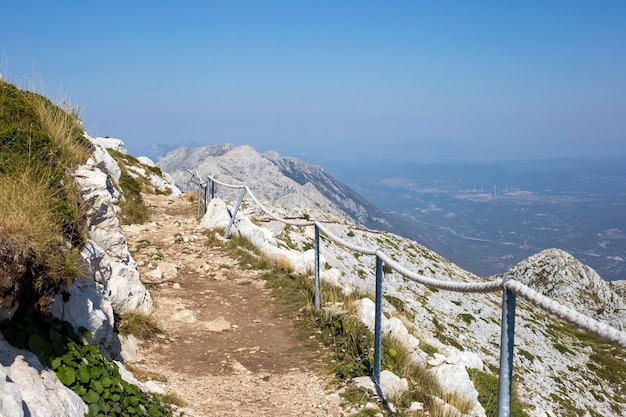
[[558, 275], [218, 217], [88, 304], [109, 143], [163, 184], [125, 289]]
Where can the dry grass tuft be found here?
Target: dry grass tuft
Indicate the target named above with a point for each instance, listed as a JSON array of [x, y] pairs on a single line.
[[64, 127], [27, 217], [141, 325], [29, 221]]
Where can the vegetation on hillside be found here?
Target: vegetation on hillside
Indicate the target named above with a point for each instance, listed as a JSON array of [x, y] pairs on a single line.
[[132, 208], [41, 228]]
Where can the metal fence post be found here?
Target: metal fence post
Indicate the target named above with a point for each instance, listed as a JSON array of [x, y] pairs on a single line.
[[317, 267], [199, 199], [507, 340], [188, 180], [378, 319], [206, 189], [232, 219]]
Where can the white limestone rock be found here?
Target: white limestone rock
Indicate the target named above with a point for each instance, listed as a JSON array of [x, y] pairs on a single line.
[[103, 224], [105, 162], [105, 286], [126, 291], [88, 304], [29, 389], [111, 143], [164, 184], [217, 216], [557, 274], [130, 348], [456, 380], [146, 161], [391, 385], [392, 327]]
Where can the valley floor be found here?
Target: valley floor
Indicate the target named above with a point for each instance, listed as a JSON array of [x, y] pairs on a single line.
[[226, 349]]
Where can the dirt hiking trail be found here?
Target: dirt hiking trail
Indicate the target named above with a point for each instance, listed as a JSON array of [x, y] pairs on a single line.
[[226, 350]]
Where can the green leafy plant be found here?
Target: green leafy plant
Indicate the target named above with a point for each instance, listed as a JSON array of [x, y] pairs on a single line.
[[80, 366]]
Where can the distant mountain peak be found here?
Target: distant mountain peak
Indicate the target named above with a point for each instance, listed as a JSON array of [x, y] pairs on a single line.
[[276, 178]]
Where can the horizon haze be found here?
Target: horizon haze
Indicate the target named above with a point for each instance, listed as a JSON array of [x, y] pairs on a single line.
[[418, 80]]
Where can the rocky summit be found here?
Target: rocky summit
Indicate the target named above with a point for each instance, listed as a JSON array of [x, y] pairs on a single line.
[[557, 274]]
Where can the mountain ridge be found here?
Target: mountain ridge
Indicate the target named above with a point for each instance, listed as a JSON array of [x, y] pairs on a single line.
[[244, 163]]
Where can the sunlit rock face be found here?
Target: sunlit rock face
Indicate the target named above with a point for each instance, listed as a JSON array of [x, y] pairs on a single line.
[[557, 274]]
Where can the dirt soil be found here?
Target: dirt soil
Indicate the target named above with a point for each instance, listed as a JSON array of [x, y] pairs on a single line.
[[227, 349]]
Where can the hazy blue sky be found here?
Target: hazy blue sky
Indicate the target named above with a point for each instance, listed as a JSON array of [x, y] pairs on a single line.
[[435, 79]]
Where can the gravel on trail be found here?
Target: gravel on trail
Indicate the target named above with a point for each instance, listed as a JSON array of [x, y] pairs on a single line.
[[226, 350]]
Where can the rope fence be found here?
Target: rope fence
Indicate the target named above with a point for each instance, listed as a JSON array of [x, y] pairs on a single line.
[[509, 286]]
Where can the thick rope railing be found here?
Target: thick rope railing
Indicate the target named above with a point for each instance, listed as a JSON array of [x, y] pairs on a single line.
[[261, 206], [509, 286], [589, 324]]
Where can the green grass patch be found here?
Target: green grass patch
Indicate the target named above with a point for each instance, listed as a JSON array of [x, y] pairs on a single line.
[[41, 211], [138, 324], [526, 354], [487, 387], [133, 210], [397, 303], [561, 348], [428, 349], [467, 318]]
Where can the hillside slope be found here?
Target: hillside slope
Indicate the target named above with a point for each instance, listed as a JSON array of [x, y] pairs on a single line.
[[559, 370]]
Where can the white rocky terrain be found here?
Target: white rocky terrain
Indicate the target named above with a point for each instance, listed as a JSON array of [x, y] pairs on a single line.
[[557, 274], [110, 283], [558, 369]]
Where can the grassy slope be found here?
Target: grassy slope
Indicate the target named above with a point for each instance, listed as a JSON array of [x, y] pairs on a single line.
[[40, 221]]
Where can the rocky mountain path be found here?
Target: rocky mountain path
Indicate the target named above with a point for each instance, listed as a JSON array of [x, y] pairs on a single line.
[[226, 349]]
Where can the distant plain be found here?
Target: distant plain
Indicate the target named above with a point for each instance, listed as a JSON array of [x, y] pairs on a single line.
[[488, 216]]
